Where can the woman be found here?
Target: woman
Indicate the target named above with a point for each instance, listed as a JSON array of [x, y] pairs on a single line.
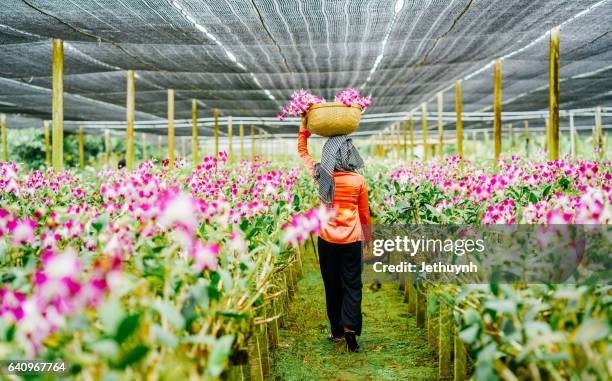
[[340, 244]]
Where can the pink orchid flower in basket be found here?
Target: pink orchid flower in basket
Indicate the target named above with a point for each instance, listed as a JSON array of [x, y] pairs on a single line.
[[302, 100]]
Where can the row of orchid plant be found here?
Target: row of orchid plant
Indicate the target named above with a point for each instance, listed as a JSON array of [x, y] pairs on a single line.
[[150, 272], [515, 331]]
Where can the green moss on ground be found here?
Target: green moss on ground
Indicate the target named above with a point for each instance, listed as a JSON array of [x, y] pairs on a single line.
[[392, 347]]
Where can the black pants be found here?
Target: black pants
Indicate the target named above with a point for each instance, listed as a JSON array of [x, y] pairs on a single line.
[[341, 271]]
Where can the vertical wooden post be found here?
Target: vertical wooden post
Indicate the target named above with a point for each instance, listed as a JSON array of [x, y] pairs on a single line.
[[241, 142], [47, 143], [171, 128], [440, 126], [509, 137], [460, 357], [252, 142], [547, 136], [497, 109], [424, 125], [3, 133], [553, 94], [130, 109], [411, 125], [573, 147], [598, 131], [159, 147], [107, 145], [81, 148], [216, 116], [459, 118], [398, 143], [445, 337], [526, 124], [58, 105], [143, 140], [195, 144], [230, 140], [405, 130]]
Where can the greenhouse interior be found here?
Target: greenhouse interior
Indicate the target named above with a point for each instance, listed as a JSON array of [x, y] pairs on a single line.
[[305, 190]]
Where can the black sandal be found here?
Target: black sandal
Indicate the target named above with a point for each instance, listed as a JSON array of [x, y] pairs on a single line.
[[351, 341]]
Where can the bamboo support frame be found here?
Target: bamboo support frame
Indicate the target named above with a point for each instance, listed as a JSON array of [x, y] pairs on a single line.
[[216, 116], [58, 105], [411, 125], [241, 142], [424, 126], [107, 146], [553, 94], [573, 140], [459, 121], [170, 128], [497, 109], [526, 126], [195, 144], [509, 137], [440, 126], [81, 148], [47, 143], [252, 142], [405, 131], [445, 340], [230, 140], [598, 130], [3, 133], [130, 112], [143, 140]]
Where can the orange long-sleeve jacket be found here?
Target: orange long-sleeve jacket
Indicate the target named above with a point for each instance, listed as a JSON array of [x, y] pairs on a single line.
[[352, 220]]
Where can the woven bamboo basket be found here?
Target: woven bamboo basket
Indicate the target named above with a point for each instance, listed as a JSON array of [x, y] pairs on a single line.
[[333, 118]]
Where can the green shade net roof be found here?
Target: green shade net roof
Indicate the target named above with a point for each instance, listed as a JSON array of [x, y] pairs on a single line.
[[245, 57]]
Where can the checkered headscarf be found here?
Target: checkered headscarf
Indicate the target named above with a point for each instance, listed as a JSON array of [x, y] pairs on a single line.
[[339, 154]]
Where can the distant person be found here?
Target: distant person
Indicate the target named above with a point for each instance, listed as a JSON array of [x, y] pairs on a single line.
[[340, 244], [121, 164]]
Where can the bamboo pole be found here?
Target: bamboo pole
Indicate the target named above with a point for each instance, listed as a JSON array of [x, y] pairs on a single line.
[[509, 137], [445, 337], [143, 140], [130, 110], [170, 128], [497, 109], [4, 138], [460, 357], [526, 124], [252, 142], [230, 138], [159, 146], [216, 116], [397, 141], [598, 131], [47, 143], [405, 131], [440, 126], [195, 147], [573, 145], [459, 121], [107, 146], [241, 142], [553, 94], [81, 148], [411, 124], [424, 125], [58, 105]]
